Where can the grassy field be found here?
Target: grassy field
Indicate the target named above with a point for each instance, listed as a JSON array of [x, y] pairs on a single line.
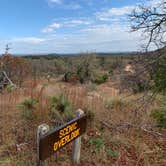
[[118, 133], [121, 130]]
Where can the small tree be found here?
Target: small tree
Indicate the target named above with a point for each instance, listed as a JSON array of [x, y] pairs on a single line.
[[82, 69], [151, 20], [16, 68]]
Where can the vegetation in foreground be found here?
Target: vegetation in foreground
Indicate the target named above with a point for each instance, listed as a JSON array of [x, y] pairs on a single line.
[[123, 96], [122, 130]]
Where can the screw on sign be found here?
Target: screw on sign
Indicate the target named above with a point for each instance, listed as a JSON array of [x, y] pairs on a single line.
[[52, 141]]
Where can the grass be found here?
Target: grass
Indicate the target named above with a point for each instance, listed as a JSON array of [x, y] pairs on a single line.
[[98, 143], [159, 114], [27, 108], [101, 145], [117, 103], [61, 109]]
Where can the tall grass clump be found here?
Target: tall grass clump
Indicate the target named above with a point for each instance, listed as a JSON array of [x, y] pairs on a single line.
[[10, 88], [61, 108], [28, 107], [116, 103]]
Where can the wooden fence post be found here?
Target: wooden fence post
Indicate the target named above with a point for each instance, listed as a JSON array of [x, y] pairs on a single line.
[[77, 143], [42, 130]]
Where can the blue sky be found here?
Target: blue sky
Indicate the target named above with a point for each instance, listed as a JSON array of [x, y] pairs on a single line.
[[67, 26]]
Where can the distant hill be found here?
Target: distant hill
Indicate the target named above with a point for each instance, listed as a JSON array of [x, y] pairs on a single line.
[[54, 55]]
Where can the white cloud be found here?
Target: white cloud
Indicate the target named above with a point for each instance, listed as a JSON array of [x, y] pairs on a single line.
[[66, 23], [99, 38], [110, 14], [64, 4], [32, 40], [56, 1], [47, 30], [121, 12], [73, 6], [55, 25], [105, 32], [51, 28], [73, 23], [154, 2]]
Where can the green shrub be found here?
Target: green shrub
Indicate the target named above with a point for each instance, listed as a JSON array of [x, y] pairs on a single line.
[[82, 69], [98, 143], [60, 65], [159, 75], [72, 77], [61, 108], [136, 84], [10, 88], [139, 87], [160, 116], [114, 165], [115, 63], [27, 108], [111, 72], [101, 78]]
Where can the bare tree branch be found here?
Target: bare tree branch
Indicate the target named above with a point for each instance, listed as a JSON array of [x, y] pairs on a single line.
[[151, 20]]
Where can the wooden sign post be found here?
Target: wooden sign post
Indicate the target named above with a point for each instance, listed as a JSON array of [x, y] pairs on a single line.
[[42, 130], [52, 141], [77, 143]]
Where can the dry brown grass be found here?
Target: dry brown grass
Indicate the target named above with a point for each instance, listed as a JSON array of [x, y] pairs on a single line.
[[111, 143]]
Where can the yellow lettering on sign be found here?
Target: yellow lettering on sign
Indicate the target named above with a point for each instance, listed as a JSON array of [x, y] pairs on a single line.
[[55, 146], [63, 141], [61, 133], [68, 129]]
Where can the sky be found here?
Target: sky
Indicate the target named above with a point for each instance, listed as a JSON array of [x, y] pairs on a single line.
[[68, 26]]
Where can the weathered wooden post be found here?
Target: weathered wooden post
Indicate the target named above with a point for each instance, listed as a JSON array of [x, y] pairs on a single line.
[[77, 143], [42, 130]]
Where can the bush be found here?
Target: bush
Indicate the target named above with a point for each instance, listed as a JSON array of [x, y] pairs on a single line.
[[16, 68], [160, 116], [159, 75], [111, 72], [82, 69], [27, 108], [61, 108], [60, 65], [136, 84], [101, 78], [10, 88], [71, 77], [139, 87]]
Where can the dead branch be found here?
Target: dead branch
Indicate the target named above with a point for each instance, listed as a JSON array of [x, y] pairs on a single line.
[[129, 125]]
